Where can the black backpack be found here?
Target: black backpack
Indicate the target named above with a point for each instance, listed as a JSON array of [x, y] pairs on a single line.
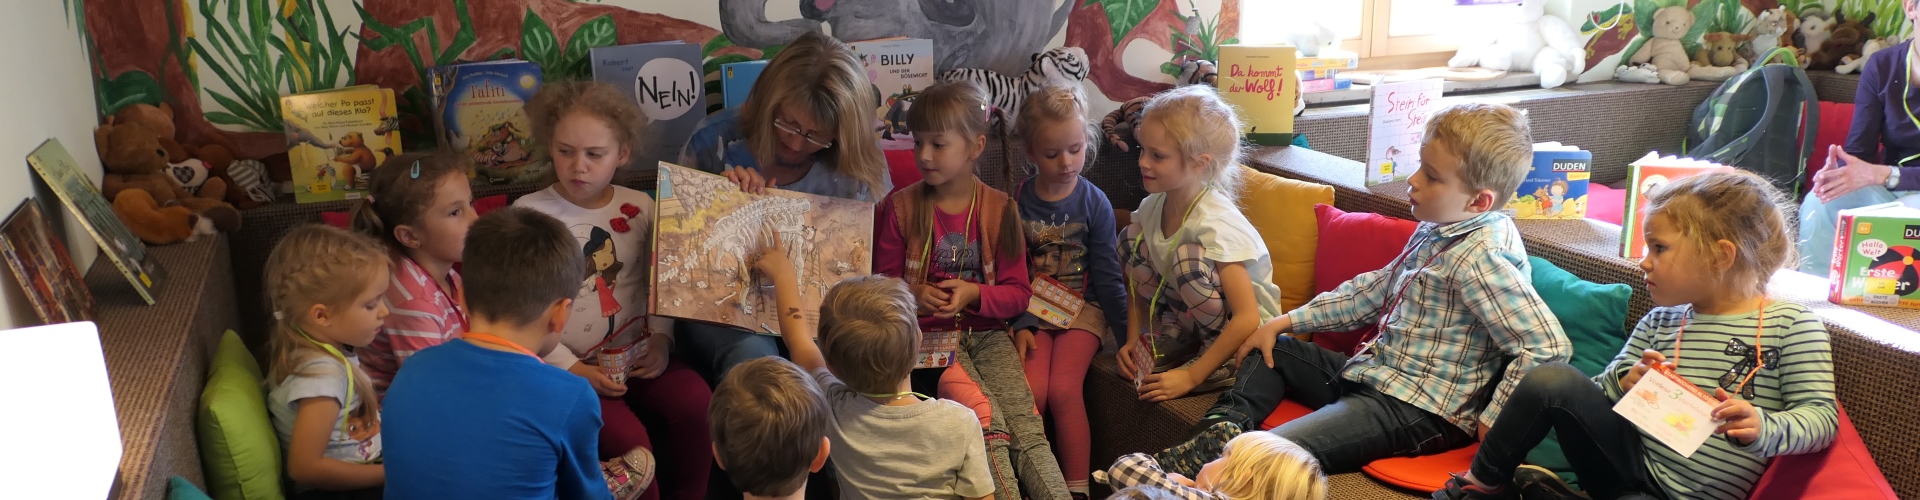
[[1762, 120]]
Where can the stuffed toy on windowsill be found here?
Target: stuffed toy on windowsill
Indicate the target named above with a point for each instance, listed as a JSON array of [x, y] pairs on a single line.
[[1530, 41], [145, 194], [1664, 58]]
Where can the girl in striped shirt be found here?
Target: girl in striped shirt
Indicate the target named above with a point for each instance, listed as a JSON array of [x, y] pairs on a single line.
[[420, 205], [1713, 241]]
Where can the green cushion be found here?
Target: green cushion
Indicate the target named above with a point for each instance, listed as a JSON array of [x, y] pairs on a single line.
[[178, 488], [238, 448], [1594, 317]]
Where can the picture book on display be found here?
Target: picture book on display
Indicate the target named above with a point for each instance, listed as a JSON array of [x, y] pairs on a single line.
[[706, 232], [1556, 188], [1643, 176], [736, 80], [83, 198], [335, 138], [1262, 82], [1875, 250], [1398, 124], [666, 80], [899, 68], [479, 109], [41, 264]]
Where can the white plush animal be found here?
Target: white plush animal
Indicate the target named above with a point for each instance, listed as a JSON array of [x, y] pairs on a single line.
[[1528, 40], [1815, 28], [1850, 64], [1309, 36], [1768, 30]]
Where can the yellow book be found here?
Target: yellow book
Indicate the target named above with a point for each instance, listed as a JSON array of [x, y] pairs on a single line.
[[1262, 83], [336, 138]]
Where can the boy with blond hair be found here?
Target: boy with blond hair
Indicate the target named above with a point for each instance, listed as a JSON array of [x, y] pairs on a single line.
[[888, 441], [769, 422], [1454, 310]]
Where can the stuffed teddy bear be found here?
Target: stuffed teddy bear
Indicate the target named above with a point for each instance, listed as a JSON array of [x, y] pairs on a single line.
[[214, 158], [1532, 41], [136, 166], [1851, 64], [1721, 49], [1663, 58], [1815, 27], [1772, 29], [1846, 41]]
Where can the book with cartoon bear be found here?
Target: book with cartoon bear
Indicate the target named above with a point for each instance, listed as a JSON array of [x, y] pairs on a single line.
[[335, 138]]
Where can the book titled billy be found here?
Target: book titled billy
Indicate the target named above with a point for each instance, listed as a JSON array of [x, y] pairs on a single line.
[[666, 80], [899, 68]]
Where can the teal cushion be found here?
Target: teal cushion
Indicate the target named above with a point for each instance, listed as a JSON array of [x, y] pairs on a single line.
[[238, 448], [1594, 317], [178, 488]]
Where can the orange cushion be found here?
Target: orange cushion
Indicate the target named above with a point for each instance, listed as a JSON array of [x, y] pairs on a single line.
[[1282, 210], [1427, 473], [1286, 412]]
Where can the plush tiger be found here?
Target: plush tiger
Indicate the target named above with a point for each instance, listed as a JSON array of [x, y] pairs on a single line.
[[1062, 64]]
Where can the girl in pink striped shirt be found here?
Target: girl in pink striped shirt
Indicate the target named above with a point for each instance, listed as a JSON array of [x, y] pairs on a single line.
[[420, 205]]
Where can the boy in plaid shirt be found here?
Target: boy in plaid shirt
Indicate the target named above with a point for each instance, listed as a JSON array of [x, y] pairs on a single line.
[[1454, 309]]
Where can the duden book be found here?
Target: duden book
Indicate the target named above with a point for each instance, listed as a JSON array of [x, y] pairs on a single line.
[[1556, 188]]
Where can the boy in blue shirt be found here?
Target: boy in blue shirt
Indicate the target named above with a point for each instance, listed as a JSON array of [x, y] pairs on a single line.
[[483, 417]]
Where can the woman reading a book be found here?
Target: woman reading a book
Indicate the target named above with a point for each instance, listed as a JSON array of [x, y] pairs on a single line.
[[1881, 160], [806, 126]]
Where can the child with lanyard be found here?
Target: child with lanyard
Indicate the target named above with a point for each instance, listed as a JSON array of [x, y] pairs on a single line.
[[419, 205]]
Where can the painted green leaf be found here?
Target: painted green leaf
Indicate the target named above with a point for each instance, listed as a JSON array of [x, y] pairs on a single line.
[[1703, 15], [766, 54], [537, 43], [132, 87], [718, 42], [503, 53], [224, 118], [1124, 15], [596, 32], [1170, 69], [463, 39]]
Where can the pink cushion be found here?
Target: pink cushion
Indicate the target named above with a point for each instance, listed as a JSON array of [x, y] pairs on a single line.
[[1842, 471], [1606, 204], [1427, 473], [342, 219], [901, 168], [1350, 244], [1836, 118]]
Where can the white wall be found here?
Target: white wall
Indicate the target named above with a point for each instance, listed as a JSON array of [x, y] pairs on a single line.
[[45, 91]]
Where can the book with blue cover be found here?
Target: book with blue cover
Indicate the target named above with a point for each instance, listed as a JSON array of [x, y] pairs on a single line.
[[1557, 186], [480, 111], [736, 80], [667, 81]]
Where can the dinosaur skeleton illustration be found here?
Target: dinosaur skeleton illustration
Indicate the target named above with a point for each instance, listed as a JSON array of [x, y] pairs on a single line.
[[739, 234]]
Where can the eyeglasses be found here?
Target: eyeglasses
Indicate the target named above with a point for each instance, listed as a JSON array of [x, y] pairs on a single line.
[[795, 130]]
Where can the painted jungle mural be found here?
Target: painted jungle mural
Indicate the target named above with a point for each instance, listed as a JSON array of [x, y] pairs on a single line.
[[221, 65]]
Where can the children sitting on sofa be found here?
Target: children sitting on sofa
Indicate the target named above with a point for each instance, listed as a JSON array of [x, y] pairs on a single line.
[[890, 442], [484, 416], [1459, 321], [325, 285], [1713, 242], [769, 428], [1201, 276]]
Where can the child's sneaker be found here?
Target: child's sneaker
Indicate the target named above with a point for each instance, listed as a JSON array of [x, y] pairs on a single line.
[[629, 475], [1538, 483], [1459, 488], [1186, 458]]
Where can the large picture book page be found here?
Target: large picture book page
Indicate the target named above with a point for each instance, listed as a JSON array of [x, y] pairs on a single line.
[[708, 232]]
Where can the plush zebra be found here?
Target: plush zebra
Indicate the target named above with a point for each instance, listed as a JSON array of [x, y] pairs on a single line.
[[1062, 64]]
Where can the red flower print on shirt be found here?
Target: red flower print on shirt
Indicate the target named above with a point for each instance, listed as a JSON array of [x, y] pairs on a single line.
[[629, 210], [620, 225]]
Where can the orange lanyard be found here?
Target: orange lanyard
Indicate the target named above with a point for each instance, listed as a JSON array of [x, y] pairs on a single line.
[[496, 340], [1758, 361]]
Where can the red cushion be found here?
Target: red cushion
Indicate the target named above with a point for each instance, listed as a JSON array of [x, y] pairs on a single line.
[[1842, 471], [901, 168], [1286, 412], [1836, 118], [1427, 473], [344, 219], [1351, 244], [1606, 204]]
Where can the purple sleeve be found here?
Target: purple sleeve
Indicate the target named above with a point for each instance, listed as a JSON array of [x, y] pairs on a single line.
[[1103, 259], [1869, 112]]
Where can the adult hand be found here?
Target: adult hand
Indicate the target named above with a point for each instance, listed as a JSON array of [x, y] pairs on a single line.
[[1845, 173], [749, 179], [653, 360]]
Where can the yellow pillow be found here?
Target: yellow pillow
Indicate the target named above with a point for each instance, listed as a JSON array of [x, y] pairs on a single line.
[[1282, 210]]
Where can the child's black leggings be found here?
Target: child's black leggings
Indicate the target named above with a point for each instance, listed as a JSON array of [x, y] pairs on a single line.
[[1604, 448]]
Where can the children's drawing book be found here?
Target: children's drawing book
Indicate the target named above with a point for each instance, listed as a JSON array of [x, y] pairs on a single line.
[[667, 81], [707, 232], [899, 68], [82, 197], [1671, 409], [1556, 188], [1398, 124], [479, 109], [1874, 254], [335, 139], [40, 263], [1643, 176], [736, 80], [1263, 83], [1054, 303]]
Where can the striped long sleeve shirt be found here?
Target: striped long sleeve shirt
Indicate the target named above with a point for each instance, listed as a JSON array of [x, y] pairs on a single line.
[[1793, 390], [420, 315], [1466, 310]]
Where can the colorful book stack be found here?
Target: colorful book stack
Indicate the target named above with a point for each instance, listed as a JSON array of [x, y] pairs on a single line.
[[1322, 73], [336, 137], [480, 110], [1645, 175], [1557, 186], [1874, 257], [666, 80], [899, 69]]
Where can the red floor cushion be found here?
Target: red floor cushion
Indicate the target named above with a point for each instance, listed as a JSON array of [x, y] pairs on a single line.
[[1286, 412], [1836, 118], [1426, 473], [1606, 204], [1350, 244], [1844, 471]]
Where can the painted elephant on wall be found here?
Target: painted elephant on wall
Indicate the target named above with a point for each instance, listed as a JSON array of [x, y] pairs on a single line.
[[999, 35]]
